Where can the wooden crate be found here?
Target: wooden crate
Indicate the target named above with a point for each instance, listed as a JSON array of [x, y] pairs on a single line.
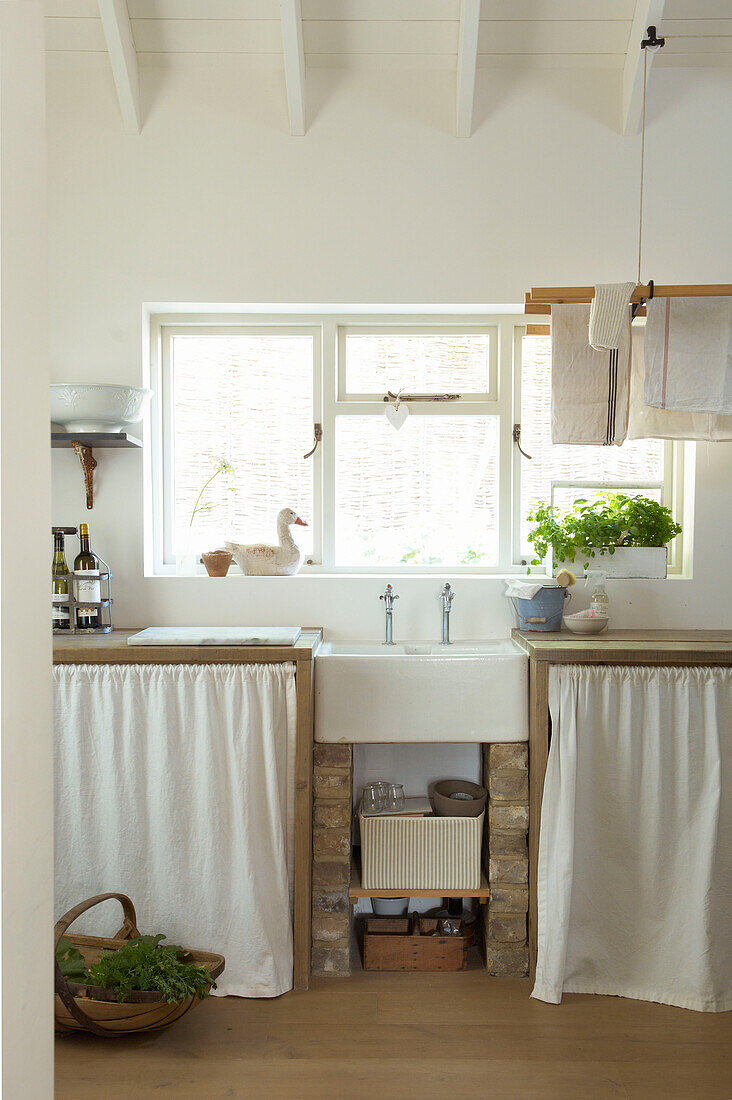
[[408, 943]]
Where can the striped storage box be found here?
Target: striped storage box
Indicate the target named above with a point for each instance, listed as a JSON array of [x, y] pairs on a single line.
[[420, 853]]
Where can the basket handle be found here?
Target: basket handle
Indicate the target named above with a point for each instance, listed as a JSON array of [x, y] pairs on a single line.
[[128, 930]]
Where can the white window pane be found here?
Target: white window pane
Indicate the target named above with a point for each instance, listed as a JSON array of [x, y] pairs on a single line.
[[639, 460], [248, 399], [418, 363], [424, 495]]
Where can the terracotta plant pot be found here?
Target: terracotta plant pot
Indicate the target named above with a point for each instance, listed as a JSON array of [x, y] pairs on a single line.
[[217, 562]]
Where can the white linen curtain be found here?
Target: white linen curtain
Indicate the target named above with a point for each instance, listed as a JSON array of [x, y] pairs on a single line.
[[175, 785], [635, 850]]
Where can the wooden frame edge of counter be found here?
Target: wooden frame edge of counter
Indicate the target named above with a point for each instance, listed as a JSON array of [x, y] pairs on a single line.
[[651, 651], [538, 756], [113, 650], [303, 824], [702, 658]]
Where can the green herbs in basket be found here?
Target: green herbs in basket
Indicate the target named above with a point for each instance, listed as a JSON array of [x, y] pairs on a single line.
[[71, 962], [142, 964]]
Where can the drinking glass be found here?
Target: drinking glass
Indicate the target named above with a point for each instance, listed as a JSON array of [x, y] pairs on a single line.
[[370, 801], [395, 797], [382, 790]]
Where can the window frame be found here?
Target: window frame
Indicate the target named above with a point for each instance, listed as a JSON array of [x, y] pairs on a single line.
[[382, 327], [330, 400], [160, 513], [676, 486]]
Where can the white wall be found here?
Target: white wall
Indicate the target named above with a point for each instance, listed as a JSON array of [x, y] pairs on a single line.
[[215, 202], [25, 637]]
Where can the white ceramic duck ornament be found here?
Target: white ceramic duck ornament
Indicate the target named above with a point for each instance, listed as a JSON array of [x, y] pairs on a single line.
[[260, 560]]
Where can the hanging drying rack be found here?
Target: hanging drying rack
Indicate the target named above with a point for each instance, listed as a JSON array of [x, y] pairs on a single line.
[[540, 299]]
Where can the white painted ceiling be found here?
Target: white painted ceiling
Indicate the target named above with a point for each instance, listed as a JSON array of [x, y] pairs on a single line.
[[398, 33]]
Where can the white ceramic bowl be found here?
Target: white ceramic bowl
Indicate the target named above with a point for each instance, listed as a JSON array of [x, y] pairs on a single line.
[[390, 907], [579, 624], [97, 407]]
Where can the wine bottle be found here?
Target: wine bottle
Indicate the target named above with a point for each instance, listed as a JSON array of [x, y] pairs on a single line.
[[59, 585], [87, 585]]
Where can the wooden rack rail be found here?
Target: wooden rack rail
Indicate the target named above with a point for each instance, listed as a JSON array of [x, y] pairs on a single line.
[[540, 299]]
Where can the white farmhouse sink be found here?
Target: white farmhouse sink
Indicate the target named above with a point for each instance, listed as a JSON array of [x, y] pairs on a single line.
[[470, 691]]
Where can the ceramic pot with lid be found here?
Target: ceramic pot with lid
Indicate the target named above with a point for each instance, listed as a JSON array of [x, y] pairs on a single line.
[[457, 798]]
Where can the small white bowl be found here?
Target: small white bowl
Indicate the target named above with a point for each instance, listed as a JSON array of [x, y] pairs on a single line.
[[97, 407], [581, 624], [390, 907]]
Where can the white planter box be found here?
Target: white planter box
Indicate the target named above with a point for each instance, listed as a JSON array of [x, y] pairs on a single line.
[[420, 853], [649, 562]]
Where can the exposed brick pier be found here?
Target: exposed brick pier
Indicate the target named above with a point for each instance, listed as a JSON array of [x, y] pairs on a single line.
[[505, 775]]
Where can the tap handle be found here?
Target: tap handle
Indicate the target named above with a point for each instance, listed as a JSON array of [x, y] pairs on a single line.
[[389, 596], [447, 595]]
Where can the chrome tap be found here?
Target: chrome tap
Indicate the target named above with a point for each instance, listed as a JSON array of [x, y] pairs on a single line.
[[388, 597], [446, 596]]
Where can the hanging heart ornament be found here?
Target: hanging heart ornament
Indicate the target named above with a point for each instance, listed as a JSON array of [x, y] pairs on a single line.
[[396, 414]]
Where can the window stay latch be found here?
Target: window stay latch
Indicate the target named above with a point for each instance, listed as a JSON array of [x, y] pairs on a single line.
[[421, 396], [516, 436], [317, 436]]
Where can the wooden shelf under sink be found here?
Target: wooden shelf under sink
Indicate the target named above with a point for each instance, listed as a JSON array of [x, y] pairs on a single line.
[[356, 890]]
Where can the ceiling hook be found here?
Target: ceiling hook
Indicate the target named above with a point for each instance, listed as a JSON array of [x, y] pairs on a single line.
[[652, 42]]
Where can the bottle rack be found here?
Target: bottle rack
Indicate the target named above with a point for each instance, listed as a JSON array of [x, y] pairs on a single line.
[[104, 604]]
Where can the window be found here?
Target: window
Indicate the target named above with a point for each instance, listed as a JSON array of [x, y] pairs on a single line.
[[562, 473], [427, 494], [238, 416], [239, 398]]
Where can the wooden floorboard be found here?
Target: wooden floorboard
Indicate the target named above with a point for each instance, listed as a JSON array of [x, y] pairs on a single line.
[[402, 1036]]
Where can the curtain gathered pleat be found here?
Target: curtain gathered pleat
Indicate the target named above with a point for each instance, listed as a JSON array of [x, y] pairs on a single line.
[[635, 860], [175, 785]]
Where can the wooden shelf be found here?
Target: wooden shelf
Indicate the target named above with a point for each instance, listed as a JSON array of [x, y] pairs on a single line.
[[95, 439], [356, 890]]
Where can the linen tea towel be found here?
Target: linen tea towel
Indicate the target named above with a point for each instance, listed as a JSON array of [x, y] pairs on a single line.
[[589, 388], [688, 354]]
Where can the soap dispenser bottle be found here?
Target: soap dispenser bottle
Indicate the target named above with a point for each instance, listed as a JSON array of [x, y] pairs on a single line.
[[600, 602]]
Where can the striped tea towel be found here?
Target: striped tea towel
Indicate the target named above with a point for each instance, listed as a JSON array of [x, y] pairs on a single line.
[[645, 422], [688, 354], [608, 314], [589, 388]]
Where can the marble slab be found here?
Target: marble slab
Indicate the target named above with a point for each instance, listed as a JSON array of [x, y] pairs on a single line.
[[216, 635]]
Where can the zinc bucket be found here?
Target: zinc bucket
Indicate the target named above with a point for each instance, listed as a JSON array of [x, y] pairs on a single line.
[[544, 611]]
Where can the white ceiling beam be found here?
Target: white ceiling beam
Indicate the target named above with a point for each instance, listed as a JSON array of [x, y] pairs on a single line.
[[648, 13], [294, 57], [121, 47], [467, 61]]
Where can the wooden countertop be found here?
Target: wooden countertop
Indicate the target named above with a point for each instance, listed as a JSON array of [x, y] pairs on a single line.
[[102, 649], [642, 647]]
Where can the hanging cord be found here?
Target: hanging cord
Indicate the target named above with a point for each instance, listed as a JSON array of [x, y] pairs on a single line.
[[654, 43], [643, 164]]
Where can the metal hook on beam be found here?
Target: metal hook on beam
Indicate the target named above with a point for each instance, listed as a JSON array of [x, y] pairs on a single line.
[[652, 42]]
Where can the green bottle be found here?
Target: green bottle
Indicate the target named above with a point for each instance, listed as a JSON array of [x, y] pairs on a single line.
[[59, 585]]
